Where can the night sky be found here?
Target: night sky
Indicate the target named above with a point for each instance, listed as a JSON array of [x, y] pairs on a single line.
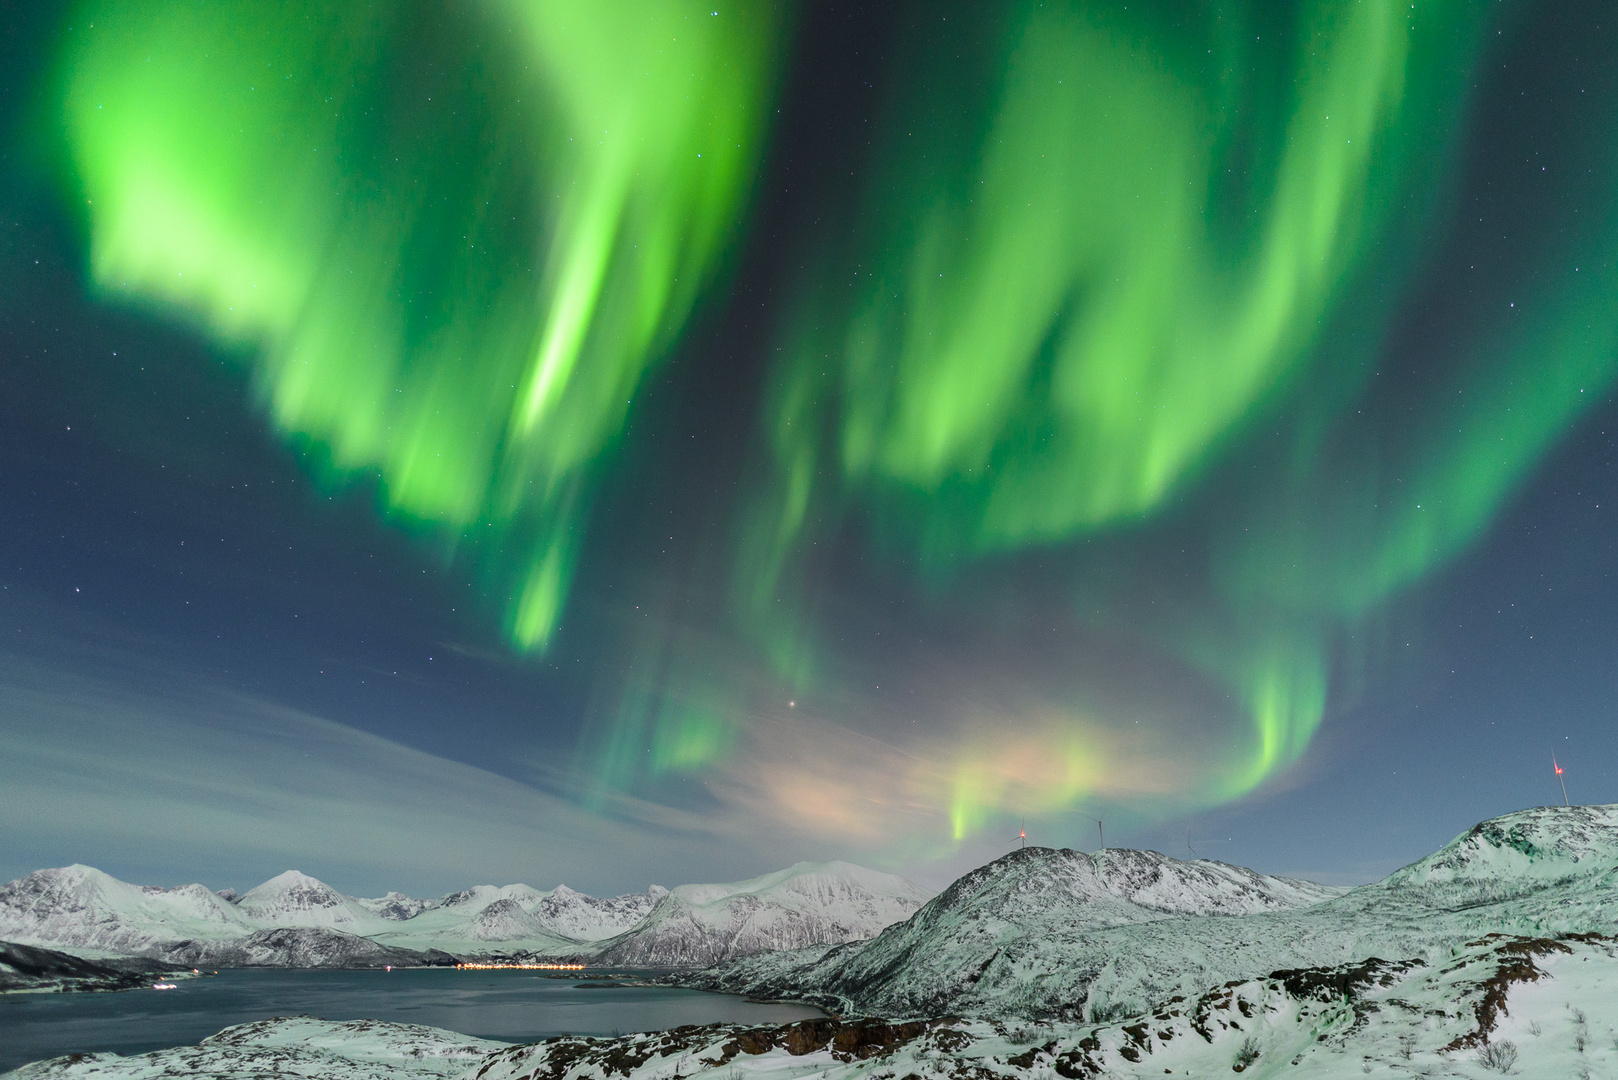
[[455, 441]]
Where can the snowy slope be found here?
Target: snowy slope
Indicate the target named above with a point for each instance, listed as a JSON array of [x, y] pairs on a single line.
[[1533, 1007], [1024, 936], [805, 904], [395, 906], [1520, 854], [472, 921], [295, 899], [1158, 882], [291, 1047], [470, 901], [587, 918], [81, 907]]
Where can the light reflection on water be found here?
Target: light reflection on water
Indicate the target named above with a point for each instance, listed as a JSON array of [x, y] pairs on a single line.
[[515, 1006]]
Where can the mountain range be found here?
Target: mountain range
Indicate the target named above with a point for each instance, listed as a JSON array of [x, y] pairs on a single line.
[[298, 921], [1497, 954], [1060, 935]]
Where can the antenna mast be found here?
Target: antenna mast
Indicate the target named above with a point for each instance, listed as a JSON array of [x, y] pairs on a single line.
[[1100, 833]]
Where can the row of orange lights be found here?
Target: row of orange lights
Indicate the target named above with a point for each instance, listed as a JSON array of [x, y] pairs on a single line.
[[520, 967]]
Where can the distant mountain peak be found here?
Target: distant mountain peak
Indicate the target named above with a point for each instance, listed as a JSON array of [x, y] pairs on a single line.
[[292, 889], [805, 904]]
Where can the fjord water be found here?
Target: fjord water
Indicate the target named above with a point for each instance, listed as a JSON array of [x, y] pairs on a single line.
[[515, 1006]]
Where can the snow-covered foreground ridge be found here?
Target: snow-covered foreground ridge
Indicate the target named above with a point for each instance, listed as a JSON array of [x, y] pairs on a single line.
[[1048, 934], [1537, 1007], [293, 1047], [295, 920]]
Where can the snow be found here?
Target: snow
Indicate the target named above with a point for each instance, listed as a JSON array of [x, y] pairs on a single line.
[[588, 918], [296, 920], [1373, 1018], [296, 899], [1043, 934], [81, 907], [288, 1046], [479, 897], [466, 923], [396, 906], [1051, 964], [1554, 1003], [805, 904]]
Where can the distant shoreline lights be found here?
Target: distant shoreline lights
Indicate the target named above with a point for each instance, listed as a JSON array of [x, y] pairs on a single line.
[[519, 967]]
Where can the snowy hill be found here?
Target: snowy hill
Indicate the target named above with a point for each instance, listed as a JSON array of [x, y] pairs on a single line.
[[805, 904], [1533, 1007], [1521, 854], [290, 1048], [80, 907], [1029, 934], [1019, 905]]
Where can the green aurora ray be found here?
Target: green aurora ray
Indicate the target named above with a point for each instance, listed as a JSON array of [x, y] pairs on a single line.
[[1104, 342], [1101, 245], [451, 240]]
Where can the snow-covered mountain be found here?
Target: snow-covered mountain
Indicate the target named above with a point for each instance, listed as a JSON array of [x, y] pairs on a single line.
[[296, 899], [395, 906], [805, 904], [470, 901], [1040, 933], [296, 920], [82, 908], [472, 921], [292, 920], [589, 918]]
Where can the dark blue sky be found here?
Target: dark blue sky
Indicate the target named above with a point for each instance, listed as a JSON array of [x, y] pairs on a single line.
[[222, 657]]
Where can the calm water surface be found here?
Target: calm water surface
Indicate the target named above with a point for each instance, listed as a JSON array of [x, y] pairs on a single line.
[[516, 1006]]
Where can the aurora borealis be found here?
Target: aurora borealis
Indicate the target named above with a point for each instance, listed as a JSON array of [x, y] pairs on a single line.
[[461, 295], [872, 426]]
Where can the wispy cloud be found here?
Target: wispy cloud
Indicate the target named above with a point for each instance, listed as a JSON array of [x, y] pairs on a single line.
[[192, 781]]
